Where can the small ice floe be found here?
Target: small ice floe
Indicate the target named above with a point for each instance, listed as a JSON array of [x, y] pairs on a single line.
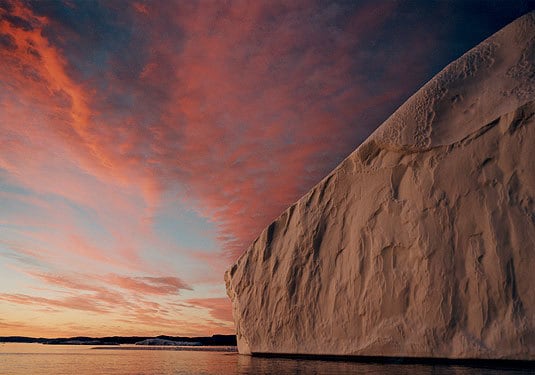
[[163, 342]]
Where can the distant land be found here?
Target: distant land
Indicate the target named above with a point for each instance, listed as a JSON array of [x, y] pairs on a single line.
[[215, 340]]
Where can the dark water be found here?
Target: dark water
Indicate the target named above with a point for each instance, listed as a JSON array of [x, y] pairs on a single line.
[[25, 359]]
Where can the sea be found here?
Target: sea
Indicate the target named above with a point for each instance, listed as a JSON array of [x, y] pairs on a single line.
[[25, 359]]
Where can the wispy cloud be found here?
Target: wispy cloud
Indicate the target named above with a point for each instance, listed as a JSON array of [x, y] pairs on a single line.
[[149, 285], [220, 308], [80, 302]]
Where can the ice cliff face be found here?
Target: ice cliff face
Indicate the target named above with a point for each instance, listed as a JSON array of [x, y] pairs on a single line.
[[422, 242]]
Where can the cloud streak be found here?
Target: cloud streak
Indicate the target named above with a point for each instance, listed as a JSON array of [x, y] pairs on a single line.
[[220, 308], [149, 285]]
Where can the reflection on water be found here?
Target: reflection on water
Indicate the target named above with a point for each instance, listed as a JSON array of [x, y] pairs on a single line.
[[254, 365], [25, 359]]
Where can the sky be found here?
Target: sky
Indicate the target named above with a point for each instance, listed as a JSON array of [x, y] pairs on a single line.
[[145, 144]]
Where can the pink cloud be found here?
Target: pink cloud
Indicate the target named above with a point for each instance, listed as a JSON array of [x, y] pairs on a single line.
[[220, 308], [246, 153], [149, 285], [143, 285], [241, 154], [80, 302]]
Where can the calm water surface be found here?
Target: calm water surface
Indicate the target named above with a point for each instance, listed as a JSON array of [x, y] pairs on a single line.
[[25, 359]]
